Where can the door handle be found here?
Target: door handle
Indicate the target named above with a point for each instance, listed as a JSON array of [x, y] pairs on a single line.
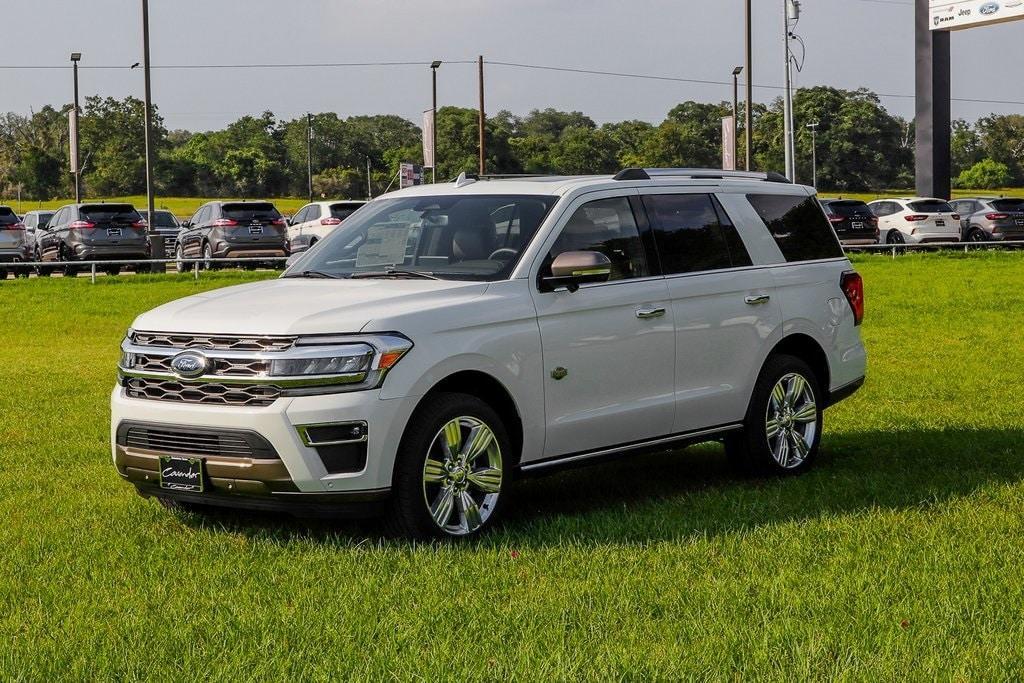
[[758, 299], [647, 313]]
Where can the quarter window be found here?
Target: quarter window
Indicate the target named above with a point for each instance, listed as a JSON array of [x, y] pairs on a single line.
[[798, 226], [692, 234], [609, 227]]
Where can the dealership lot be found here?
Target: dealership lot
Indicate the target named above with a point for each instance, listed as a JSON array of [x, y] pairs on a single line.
[[897, 554]]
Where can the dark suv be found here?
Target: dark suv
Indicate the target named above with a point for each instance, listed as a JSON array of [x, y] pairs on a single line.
[[93, 232], [14, 244], [852, 221], [221, 230]]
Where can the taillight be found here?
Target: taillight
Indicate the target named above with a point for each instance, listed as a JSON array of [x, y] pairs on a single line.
[[873, 220], [997, 216], [915, 217], [956, 216], [277, 221], [224, 223], [13, 226], [139, 224], [853, 287], [81, 225], [330, 221]]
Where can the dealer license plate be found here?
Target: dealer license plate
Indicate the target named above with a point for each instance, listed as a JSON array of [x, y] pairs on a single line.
[[181, 474]]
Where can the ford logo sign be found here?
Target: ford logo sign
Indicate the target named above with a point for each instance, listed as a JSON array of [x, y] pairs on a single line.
[[190, 364], [989, 8]]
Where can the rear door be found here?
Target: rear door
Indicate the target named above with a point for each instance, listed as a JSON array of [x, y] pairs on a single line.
[[939, 217], [114, 225], [49, 243], [609, 348], [256, 221], [723, 306]]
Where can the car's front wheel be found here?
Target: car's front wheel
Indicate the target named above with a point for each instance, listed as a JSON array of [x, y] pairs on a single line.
[[451, 473], [782, 428], [179, 260]]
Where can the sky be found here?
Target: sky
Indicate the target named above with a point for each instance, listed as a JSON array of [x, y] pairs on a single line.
[[850, 43]]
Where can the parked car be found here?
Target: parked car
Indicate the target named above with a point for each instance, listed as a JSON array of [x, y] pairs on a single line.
[[852, 221], [990, 218], [916, 220], [449, 337], [93, 232], [14, 244], [35, 221], [166, 225], [314, 221], [220, 230]]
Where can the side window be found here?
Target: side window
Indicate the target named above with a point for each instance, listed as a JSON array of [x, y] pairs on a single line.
[[312, 212], [798, 225], [58, 218], [30, 220], [301, 216], [692, 235], [607, 226]]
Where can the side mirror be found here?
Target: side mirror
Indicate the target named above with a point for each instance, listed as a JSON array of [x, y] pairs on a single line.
[[571, 269], [185, 224]]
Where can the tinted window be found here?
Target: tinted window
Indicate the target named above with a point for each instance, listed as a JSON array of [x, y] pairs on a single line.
[[110, 213], [163, 219], [606, 226], [847, 208], [798, 226], [250, 211], [343, 211], [7, 216], [44, 219], [930, 206], [455, 237], [690, 235], [301, 216], [1012, 204]]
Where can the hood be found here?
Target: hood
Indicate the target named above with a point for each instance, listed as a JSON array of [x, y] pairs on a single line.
[[303, 306]]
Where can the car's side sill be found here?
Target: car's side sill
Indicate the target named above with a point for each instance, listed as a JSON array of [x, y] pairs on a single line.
[[844, 392], [587, 457]]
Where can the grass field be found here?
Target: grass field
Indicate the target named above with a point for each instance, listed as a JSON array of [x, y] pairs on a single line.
[[183, 207], [898, 557]]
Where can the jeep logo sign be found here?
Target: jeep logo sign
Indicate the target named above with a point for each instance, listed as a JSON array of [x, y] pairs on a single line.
[[190, 365]]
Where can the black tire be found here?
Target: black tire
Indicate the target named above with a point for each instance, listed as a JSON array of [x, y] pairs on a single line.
[[179, 264], [409, 514], [894, 237], [208, 262], [68, 269], [977, 235], [42, 271], [3, 274], [751, 450], [112, 270]]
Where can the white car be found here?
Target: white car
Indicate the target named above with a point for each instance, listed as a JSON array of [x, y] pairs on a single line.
[[453, 336], [315, 221], [915, 220]]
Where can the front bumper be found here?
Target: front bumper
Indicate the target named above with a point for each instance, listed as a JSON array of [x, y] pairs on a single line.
[[300, 471]]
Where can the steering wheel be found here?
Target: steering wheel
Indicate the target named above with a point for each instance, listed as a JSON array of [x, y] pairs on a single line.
[[505, 252]]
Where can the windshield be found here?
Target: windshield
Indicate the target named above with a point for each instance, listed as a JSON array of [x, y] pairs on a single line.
[[931, 206], [847, 208], [1010, 204], [7, 216], [470, 237], [343, 211], [110, 213], [251, 211]]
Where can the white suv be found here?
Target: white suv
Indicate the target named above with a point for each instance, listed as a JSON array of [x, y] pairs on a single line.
[[915, 220], [453, 336], [315, 221]]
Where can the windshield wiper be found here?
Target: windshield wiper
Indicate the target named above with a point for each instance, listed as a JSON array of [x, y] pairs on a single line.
[[392, 272], [314, 274]]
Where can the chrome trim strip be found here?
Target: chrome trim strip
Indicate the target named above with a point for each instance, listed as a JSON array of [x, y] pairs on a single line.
[[303, 431], [528, 467], [260, 380]]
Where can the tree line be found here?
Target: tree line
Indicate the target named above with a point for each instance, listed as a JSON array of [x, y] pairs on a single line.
[[860, 147]]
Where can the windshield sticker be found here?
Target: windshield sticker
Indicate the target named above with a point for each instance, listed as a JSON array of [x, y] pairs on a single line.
[[384, 246]]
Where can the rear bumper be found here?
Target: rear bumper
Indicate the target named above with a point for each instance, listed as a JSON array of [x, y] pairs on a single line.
[[251, 250], [13, 255], [845, 391], [858, 241], [931, 237], [84, 252]]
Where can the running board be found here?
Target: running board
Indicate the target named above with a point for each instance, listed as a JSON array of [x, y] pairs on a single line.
[[583, 458]]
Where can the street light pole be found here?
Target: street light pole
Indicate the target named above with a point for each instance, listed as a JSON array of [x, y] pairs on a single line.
[[75, 58], [735, 113], [147, 115], [433, 120], [309, 154], [814, 152], [482, 116], [749, 114]]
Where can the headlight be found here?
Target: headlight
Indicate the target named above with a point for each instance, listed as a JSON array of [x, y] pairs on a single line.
[[340, 364], [359, 359]]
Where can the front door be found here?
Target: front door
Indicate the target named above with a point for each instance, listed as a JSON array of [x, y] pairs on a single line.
[[609, 348]]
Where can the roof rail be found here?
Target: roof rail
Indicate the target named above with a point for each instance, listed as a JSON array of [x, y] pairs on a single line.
[[698, 173]]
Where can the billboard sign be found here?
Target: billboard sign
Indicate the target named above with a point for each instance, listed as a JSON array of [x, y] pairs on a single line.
[[73, 140], [409, 175], [728, 144], [947, 15], [428, 138]]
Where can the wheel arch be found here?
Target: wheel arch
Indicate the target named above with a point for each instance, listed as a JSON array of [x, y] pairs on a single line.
[[807, 349]]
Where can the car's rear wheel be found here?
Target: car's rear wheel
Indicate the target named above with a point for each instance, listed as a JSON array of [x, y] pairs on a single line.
[[3, 274], [894, 237], [782, 428], [208, 263], [68, 269], [452, 470], [977, 235], [113, 270]]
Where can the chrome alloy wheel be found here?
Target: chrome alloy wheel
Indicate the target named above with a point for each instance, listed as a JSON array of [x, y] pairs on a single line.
[[791, 421], [462, 475]]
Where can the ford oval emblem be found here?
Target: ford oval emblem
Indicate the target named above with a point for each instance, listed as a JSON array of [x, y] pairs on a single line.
[[190, 364], [989, 8]]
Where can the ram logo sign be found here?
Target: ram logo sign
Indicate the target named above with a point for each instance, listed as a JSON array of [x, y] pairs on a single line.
[[947, 15]]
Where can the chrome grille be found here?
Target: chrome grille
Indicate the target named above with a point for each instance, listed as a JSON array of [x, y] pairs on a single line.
[[193, 443], [228, 367], [216, 342], [190, 392]]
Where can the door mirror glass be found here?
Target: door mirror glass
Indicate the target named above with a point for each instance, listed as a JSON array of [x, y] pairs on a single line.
[[571, 269]]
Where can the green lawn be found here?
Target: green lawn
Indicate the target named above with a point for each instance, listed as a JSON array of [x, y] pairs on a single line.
[[898, 557]]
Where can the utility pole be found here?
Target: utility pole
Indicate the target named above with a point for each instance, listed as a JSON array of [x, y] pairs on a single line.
[[309, 153], [814, 152], [790, 12], [369, 187], [482, 120], [749, 114], [735, 115], [147, 115], [75, 167], [433, 119]]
